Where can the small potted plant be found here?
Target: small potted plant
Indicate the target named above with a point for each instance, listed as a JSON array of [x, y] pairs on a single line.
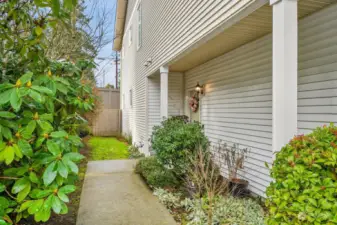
[[233, 158]]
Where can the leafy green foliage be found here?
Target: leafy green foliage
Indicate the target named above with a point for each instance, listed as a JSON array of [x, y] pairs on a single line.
[[304, 190], [175, 141], [41, 103], [155, 174]]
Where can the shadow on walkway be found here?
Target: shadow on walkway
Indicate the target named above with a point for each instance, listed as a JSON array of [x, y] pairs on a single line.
[[114, 195]]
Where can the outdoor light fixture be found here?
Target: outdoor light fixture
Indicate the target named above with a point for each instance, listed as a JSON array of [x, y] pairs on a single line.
[[199, 88]]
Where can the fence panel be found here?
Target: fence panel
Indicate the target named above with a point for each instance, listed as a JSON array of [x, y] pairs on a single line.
[[108, 121]]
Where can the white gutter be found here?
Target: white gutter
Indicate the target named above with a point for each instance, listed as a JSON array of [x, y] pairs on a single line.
[[119, 24]]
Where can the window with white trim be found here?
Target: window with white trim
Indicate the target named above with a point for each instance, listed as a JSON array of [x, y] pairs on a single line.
[[139, 34], [130, 35]]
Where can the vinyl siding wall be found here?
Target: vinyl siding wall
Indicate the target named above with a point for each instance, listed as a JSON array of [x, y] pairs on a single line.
[[237, 106], [169, 28], [317, 90], [153, 102], [175, 98]]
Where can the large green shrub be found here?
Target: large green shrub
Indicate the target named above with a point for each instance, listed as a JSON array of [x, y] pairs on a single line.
[[176, 140], [304, 190], [155, 174], [41, 103]]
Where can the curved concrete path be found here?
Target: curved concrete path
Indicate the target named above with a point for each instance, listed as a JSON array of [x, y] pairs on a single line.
[[114, 195]]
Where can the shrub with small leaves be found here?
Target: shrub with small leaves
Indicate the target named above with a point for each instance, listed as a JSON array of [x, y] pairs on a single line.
[[155, 174], [176, 140], [304, 190]]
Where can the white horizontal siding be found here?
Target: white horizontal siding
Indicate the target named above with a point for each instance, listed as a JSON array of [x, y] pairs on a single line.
[[317, 90], [169, 28], [153, 102], [175, 94], [237, 106]]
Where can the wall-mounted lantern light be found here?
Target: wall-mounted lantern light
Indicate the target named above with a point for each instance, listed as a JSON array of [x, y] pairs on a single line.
[[199, 88]]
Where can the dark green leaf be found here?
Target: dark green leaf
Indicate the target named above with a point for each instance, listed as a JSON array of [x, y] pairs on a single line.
[[45, 126], [49, 174], [46, 116], [53, 147], [2, 187], [8, 115], [4, 203], [38, 193], [58, 134], [35, 206], [29, 129], [35, 95], [64, 209], [74, 156], [25, 148], [20, 184], [6, 133], [25, 205], [33, 178], [72, 166], [24, 193], [15, 100], [63, 197], [67, 189], [62, 88], [43, 90], [56, 205], [5, 96], [62, 169]]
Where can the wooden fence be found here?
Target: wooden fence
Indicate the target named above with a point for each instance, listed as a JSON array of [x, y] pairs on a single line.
[[108, 121]]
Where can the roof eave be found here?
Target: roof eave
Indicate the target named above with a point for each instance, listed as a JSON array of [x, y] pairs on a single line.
[[119, 24]]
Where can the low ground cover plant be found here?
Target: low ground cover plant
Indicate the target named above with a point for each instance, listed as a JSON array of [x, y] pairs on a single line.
[[107, 148], [155, 174], [304, 189], [227, 209], [175, 140], [134, 152]]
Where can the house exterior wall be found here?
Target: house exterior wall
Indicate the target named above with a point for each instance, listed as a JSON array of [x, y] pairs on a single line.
[[175, 98], [237, 106], [168, 28]]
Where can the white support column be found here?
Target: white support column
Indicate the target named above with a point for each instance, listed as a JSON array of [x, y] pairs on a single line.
[[164, 92], [285, 54]]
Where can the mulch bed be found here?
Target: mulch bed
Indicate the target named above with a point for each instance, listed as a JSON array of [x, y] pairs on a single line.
[[73, 206]]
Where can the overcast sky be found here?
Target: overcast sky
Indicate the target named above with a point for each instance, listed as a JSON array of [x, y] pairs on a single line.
[[105, 66]]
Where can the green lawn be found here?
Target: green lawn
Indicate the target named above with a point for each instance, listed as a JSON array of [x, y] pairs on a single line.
[[103, 148]]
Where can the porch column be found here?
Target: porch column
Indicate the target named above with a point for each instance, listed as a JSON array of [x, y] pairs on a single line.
[[285, 51], [164, 92]]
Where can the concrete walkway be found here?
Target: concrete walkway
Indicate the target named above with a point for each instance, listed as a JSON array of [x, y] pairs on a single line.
[[114, 195]]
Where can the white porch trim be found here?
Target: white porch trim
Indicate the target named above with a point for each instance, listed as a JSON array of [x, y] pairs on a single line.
[[285, 56], [164, 92]]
